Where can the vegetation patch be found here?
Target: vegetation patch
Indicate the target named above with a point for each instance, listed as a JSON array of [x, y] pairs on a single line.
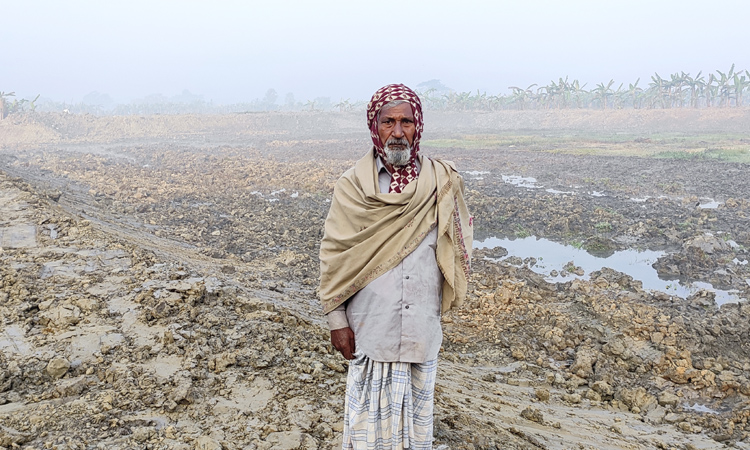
[[678, 146], [735, 154], [484, 141], [521, 232]]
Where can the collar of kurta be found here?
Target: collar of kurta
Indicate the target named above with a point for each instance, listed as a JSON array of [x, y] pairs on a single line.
[[380, 166], [368, 233]]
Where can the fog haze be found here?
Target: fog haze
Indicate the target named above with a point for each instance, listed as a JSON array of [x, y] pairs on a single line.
[[232, 51]]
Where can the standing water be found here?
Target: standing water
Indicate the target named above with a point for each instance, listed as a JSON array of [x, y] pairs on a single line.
[[552, 258]]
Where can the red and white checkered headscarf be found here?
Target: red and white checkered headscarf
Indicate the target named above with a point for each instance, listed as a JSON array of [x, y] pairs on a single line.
[[401, 176]]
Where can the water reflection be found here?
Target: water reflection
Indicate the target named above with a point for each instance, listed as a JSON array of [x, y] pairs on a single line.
[[709, 204], [516, 180], [552, 257]]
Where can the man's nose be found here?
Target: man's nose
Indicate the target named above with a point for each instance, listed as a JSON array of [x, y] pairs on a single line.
[[398, 131]]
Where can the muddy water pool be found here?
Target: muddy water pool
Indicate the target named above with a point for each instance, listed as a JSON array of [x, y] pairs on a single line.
[[531, 183], [552, 259]]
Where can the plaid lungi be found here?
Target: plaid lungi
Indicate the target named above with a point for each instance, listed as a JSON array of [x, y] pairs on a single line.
[[389, 404]]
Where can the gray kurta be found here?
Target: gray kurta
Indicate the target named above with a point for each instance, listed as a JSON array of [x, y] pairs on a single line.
[[397, 316]]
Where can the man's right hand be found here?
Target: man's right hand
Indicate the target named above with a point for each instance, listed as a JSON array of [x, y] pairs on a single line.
[[343, 340]]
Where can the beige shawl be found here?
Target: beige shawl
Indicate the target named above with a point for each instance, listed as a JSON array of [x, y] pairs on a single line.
[[368, 233]]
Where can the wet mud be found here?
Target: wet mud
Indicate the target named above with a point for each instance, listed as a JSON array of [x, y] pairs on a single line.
[[158, 276]]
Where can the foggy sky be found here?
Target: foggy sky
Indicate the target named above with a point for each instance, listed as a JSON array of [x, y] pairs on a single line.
[[233, 51]]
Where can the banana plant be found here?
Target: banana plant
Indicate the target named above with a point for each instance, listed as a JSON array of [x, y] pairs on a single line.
[[497, 102], [458, 101], [710, 90], [577, 90], [635, 94], [480, 101], [343, 105], [602, 92], [32, 104], [17, 105], [740, 83], [521, 96], [565, 91], [696, 87], [678, 83], [543, 96], [725, 91], [4, 104], [430, 100], [657, 89], [619, 97], [556, 94]]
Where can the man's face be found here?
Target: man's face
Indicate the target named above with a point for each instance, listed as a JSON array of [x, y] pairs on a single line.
[[396, 128]]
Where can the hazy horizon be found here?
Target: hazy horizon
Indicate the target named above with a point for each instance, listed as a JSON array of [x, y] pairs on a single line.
[[233, 52]]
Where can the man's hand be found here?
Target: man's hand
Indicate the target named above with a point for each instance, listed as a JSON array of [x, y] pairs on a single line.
[[343, 340]]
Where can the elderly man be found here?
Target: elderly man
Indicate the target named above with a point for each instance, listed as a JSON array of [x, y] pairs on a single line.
[[394, 256]]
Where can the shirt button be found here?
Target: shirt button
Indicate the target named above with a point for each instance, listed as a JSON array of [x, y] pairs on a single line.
[[407, 306], [407, 277]]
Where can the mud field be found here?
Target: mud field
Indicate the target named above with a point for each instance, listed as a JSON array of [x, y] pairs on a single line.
[[158, 277]]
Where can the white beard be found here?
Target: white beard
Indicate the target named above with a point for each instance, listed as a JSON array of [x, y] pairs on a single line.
[[397, 157]]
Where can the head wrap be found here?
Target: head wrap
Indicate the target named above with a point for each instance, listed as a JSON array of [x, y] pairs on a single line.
[[401, 175]]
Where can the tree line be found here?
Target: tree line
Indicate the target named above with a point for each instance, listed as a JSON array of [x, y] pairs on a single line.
[[679, 90]]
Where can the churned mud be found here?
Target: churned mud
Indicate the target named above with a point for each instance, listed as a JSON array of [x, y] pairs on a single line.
[[158, 276]]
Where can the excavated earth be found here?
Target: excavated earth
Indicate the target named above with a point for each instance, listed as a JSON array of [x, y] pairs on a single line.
[[158, 284]]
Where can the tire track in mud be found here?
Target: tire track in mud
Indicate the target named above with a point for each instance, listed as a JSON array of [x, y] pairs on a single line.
[[74, 198]]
